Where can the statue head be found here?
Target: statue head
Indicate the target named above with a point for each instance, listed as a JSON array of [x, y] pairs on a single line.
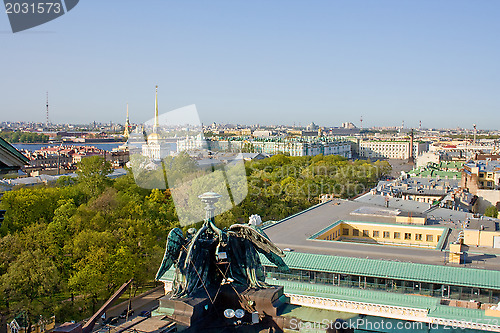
[[190, 233]]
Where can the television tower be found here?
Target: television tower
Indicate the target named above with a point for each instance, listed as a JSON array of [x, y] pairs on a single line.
[[361, 121], [47, 108]]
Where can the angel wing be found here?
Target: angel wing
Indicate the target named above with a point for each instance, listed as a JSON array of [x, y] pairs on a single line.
[[175, 241], [278, 261], [261, 243]]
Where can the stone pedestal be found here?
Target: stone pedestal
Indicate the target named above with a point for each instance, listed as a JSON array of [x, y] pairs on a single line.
[[186, 311], [194, 311], [269, 301]]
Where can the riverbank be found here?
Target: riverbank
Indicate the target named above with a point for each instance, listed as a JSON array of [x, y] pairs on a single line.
[[108, 146]]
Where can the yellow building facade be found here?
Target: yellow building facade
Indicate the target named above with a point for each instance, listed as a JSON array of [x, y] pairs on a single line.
[[482, 238], [383, 233]]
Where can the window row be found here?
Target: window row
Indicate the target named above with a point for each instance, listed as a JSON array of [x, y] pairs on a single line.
[[386, 284], [387, 234]]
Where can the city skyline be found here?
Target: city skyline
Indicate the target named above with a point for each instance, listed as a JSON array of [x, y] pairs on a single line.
[[259, 62]]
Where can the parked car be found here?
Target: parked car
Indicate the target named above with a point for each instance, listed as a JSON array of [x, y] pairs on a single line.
[[146, 314], [110, 320], [123, 315]]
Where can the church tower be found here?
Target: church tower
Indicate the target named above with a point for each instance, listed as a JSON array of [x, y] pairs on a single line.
[[154, 137], [155, 126], [126, 133]]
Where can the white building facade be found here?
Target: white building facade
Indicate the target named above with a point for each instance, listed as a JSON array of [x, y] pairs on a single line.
[[391, 149]]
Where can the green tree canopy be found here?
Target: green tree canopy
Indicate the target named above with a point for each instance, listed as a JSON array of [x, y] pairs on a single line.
[[92, 174], [31, 277], [491, 211]]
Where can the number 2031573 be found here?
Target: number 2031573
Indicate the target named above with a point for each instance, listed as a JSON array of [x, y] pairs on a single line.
[[33, 8]]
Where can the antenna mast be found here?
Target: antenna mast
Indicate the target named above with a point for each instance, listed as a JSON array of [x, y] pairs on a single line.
[[47, 106]]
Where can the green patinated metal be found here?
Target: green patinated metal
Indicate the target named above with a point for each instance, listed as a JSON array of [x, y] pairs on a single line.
[[444, 236], [431, 304], [355, 294], [7, 146], [456, 313], [457, 276], [197, 254]]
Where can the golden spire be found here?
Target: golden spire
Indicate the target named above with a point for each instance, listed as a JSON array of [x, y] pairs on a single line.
[[155, 127], [126, 133]]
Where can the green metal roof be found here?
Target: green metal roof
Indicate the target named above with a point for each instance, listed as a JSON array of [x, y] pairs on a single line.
[[432, 304], [355, 294], [449, 174], [457, 313], [450, 165], [435, 173], [458, 276], [434, 170], [12, 150]]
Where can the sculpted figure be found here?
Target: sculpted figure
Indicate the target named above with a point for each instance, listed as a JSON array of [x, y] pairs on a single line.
[[197, 255]]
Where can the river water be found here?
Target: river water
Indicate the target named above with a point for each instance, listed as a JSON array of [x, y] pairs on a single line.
[[109, 146]]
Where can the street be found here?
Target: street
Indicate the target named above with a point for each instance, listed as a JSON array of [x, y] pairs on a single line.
[[147, 301]]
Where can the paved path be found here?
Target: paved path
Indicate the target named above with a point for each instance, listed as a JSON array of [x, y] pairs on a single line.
[[146, 301], [139, 303]]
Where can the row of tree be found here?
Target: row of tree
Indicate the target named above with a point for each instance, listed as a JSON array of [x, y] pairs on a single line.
[[65, 248], [24, 137]]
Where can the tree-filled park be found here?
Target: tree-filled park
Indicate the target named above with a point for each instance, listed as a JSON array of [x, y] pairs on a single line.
[[24, 137], [66, 247]]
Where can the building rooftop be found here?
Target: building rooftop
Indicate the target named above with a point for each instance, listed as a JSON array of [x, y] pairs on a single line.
[[10, 157], [432, 304], [485, 166], [294, 232], [398, 270]]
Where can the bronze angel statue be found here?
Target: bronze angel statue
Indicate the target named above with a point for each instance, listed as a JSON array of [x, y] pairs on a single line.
[[196, 257]]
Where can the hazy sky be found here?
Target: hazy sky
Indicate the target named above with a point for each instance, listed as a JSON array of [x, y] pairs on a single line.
[[260, 61]]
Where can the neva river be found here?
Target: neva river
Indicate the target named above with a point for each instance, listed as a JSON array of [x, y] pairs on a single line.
[[109, 146]]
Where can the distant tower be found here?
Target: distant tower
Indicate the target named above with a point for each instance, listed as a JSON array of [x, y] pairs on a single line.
[[475, 132], [361, 121], [403, 125], [411, 158], [126, 133], [420, 125], [47, 108], [155, 126], [154, 137]]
